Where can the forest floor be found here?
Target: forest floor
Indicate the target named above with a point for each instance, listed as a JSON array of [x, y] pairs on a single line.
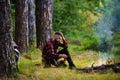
[[30, 71]]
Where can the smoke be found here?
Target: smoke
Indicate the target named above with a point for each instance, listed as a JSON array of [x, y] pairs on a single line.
[[108, 25], [104, 30], [107, 28], [105, 58]]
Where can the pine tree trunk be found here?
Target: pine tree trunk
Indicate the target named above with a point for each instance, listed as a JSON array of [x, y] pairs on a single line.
[[21, 24], [7, 64], [31, 21], [44, 10]]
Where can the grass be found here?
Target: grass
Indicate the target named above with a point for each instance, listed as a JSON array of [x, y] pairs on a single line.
[[30, 71]]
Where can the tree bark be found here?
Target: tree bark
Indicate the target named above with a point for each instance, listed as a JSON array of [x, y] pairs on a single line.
[[31, 21], [21, 24], [7, 63], [44, 10]]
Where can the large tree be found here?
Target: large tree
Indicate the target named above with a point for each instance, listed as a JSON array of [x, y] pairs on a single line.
[[31, 21], [21, 24], [43, 21], [7, 64]]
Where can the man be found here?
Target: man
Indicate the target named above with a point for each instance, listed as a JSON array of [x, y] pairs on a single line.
[[50, 51]]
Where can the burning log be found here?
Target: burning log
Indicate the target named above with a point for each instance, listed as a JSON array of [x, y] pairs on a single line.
[[115, 67]]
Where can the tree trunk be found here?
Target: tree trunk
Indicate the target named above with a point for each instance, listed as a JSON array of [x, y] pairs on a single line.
[[7, 64], [44, 10], [31, 21], [21, 24]]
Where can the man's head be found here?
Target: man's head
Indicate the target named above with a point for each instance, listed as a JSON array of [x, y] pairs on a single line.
[[59, 33], [58, 37]]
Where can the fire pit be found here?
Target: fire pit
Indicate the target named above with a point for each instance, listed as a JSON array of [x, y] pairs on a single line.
[[103, 68]]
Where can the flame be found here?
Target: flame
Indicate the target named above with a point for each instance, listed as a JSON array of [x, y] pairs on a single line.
[[105, 58]]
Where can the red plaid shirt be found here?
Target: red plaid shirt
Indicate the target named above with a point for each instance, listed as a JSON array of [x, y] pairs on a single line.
[[50, 48]]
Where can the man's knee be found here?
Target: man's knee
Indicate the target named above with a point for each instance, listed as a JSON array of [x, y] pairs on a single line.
[[65, 51]]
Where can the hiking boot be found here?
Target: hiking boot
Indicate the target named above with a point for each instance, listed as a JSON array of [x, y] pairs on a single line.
[[72, 67]]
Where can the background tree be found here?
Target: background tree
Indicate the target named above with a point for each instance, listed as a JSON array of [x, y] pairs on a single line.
[[7, 64], [21, 24], [116, 26], [31, 21], [43, 21]]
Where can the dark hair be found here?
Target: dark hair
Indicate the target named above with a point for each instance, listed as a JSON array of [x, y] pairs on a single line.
[[59, 33]]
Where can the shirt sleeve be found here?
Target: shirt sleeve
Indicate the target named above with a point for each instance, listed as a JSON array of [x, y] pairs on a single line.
[[64, 44]]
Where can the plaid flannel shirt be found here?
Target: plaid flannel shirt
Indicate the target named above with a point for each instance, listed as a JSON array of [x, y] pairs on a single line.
[[50, 49]]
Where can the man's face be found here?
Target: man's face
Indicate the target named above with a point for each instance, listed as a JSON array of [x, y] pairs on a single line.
[[58, 39]]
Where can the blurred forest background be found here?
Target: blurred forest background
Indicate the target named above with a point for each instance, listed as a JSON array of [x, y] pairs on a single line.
[[87, 24]]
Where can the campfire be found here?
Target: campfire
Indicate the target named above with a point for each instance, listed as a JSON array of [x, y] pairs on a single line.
[[102, 68]]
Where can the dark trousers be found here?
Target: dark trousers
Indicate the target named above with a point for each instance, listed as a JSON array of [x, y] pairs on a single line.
[[54, 60]]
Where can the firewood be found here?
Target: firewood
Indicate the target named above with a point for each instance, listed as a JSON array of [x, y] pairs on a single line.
[[115, 67]]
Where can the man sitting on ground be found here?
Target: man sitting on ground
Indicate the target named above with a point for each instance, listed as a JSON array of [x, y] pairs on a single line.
[[51, 54]]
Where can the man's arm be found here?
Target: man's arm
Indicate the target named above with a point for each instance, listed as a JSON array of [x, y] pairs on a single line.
[[63, 42], [53, 54]]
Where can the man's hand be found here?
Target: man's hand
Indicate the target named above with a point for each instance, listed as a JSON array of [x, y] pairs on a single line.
[[63, 38], [62, 56]]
